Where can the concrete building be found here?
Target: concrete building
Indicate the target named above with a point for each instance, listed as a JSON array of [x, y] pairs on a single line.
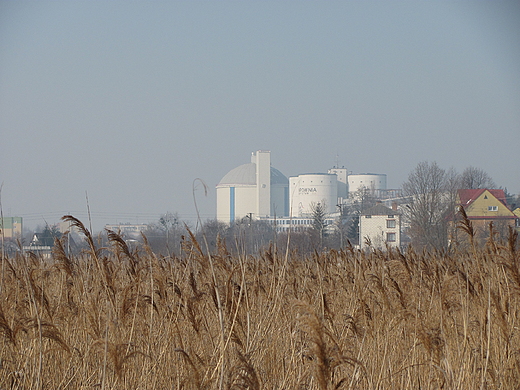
[[299, 224], [380, 226], [255, 189], [11, 227], [127, 229], [342, 177], [309, 189]]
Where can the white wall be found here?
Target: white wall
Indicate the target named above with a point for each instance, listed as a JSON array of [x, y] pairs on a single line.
[[308, 189], [245, 201], [371, 181], [375, 227], [223, 209], [262, 159], [342, 175]]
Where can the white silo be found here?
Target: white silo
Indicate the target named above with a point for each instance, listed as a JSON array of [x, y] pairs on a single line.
[[307, 190], [371, 181]]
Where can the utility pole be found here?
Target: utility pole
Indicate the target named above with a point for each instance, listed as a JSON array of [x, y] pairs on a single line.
[[250, 217], [340, 224]]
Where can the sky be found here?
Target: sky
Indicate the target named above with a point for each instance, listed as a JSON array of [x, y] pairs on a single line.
[[119, 111]]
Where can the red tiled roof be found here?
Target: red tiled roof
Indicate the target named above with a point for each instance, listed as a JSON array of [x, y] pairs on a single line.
[[492, 218], [469, 196]]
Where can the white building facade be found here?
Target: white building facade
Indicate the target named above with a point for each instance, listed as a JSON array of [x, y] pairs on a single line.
[[380, 227]]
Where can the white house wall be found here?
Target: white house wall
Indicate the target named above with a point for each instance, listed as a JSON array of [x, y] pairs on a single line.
[[375, 228]]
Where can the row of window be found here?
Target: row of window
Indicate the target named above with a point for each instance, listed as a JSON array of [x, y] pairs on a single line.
[[390, 223], [298, 222]]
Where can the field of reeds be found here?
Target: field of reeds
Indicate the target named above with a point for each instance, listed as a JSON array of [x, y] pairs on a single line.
[[121, 318]]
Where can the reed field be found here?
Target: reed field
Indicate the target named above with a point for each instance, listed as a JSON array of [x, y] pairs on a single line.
[[122, 318]]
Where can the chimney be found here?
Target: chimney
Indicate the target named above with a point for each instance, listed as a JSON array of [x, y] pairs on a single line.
[[394, 206]]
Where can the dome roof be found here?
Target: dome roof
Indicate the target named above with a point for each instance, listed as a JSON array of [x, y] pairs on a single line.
[[246, 175]]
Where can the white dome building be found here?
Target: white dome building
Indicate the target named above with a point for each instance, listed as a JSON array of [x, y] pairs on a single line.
[[254, 189]]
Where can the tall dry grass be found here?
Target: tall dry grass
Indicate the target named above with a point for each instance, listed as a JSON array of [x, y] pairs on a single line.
[[117, 318]]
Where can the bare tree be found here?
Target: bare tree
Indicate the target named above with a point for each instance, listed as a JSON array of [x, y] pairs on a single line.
[[472, 178], [362, 200], [249, 236], [164, 236], [213, 230], [432, 200]]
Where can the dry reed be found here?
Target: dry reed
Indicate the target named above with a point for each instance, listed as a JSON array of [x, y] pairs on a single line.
[[128, 319]]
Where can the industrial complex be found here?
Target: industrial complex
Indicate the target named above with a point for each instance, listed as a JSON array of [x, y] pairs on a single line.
[[259, 191]]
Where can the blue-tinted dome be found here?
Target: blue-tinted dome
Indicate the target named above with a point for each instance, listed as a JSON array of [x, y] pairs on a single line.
[[278, 177]]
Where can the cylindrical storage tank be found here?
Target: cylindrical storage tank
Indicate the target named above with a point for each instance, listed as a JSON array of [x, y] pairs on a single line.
[[370, 181], [307, 190]]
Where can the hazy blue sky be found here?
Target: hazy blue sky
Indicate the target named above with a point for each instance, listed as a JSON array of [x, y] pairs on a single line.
[[131, 101]]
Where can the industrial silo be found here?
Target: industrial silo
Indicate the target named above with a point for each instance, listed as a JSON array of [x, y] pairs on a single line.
[[307, 190], [370, 181]]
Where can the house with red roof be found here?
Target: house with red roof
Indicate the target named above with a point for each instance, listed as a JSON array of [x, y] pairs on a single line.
[[483, 206]]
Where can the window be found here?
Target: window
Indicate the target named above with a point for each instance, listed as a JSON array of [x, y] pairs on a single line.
[[390, 223], [492, 208], [390, 237], [368, 216]]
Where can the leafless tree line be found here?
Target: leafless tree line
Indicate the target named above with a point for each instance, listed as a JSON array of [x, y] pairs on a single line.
[[432, 192]]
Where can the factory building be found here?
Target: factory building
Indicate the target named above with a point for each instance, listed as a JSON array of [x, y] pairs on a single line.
[[255, 190], [259, 191]]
